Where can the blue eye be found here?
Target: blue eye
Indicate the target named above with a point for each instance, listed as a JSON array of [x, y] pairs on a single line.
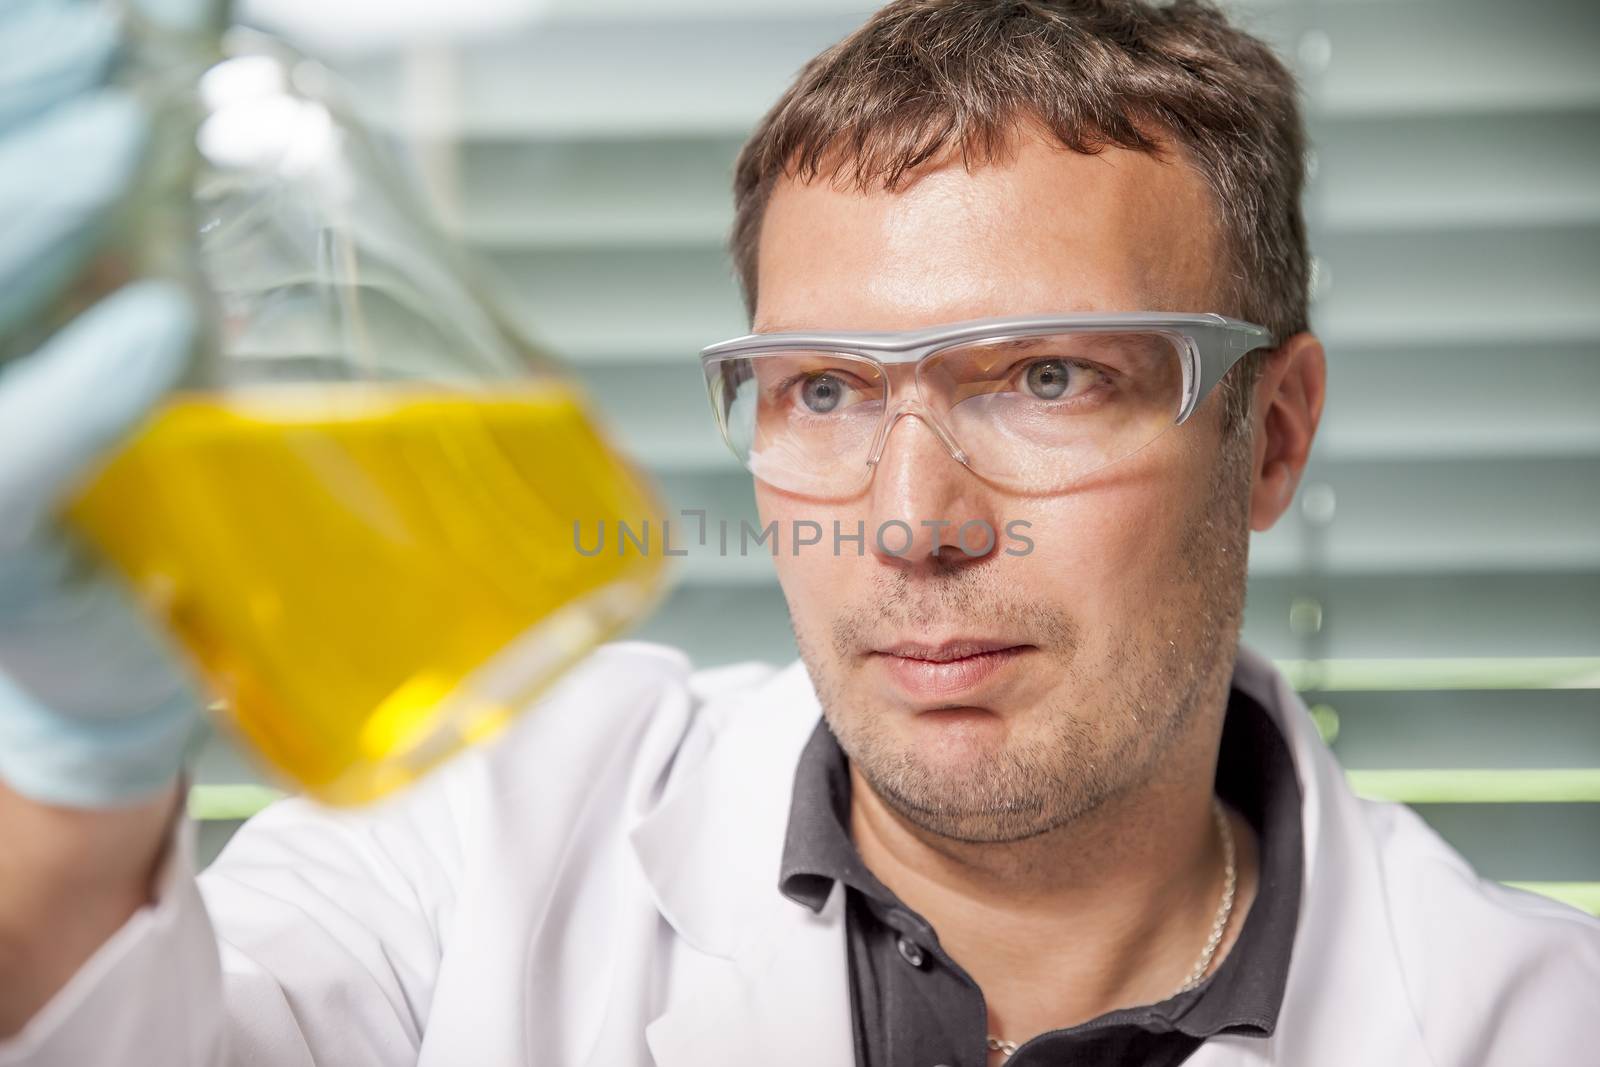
[[1047, 379], [821, 393]]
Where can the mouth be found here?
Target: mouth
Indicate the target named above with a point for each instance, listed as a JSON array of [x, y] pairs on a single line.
[[948, 668], [945, 651]]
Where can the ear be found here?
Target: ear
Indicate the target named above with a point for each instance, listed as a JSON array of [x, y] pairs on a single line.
[[1286, 408]]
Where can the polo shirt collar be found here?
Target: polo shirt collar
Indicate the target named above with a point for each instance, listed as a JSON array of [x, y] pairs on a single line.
[[1255, 775]]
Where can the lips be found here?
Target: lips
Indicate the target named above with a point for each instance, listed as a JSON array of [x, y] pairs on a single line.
[[947, 669], [946, 651]]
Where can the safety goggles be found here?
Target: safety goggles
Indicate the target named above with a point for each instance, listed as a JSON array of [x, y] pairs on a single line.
[[1031, 404]]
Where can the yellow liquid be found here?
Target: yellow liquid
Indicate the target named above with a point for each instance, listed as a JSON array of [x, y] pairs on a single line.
[[372, 578]]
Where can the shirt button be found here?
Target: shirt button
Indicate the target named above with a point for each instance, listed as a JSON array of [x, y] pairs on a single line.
[[909, 951]]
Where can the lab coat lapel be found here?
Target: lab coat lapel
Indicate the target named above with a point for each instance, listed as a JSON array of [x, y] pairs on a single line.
[[784, 1001], [1346, 999], [752, 974]]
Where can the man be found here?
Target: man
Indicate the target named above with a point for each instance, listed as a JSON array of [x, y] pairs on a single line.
[[1020, 801]]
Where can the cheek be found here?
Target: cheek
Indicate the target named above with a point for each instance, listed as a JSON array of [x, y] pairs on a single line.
[[1088, 549], [815, 581], [1110, 549]]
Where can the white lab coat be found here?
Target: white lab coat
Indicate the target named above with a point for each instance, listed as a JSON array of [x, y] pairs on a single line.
[[600, 888]]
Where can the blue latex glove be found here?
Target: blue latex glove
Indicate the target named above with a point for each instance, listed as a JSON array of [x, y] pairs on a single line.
[[94, 707]]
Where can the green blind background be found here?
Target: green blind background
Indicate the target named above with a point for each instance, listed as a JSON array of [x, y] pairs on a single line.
[[1436, 592]]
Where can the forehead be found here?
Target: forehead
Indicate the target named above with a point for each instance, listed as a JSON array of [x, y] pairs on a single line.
[[1041, 229]]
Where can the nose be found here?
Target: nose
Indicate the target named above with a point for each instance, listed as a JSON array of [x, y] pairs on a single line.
[[926, 509]]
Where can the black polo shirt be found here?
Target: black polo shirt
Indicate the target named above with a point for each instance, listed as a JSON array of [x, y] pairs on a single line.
[[913, 1006]]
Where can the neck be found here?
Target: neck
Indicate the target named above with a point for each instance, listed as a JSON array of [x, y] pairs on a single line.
[[1108, 911]]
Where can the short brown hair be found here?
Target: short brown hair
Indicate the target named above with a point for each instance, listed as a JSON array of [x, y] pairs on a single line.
[[923, 77]]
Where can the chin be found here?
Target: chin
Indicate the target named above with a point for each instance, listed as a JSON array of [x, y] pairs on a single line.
[[956, 737]]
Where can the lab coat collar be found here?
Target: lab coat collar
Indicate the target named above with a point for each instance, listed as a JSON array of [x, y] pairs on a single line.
[[1346, 999], [765, 973]]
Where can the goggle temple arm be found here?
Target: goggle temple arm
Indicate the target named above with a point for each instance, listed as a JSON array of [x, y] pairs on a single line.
[[1210, 353]]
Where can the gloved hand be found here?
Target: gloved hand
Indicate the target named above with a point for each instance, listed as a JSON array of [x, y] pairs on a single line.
[[94, 707]]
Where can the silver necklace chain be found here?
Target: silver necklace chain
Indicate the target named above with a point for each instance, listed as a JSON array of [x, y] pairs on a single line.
[[1219, 922]]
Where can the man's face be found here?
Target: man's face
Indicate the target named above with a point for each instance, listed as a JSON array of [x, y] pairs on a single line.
[[1122, 619]]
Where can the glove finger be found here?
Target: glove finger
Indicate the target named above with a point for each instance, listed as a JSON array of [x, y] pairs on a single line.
[[73, 637], [58, 177], [53, 50], [59, 760], [86, 389]]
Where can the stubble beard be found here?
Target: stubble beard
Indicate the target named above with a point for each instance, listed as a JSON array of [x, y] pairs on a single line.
[[1140, 694]]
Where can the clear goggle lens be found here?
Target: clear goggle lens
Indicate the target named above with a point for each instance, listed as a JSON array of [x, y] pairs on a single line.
[[1033, 413]]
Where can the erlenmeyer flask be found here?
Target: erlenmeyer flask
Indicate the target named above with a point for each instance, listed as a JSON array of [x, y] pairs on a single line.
[[360, 519]]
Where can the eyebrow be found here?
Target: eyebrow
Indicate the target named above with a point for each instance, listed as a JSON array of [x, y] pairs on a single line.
[[1015, 343]]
